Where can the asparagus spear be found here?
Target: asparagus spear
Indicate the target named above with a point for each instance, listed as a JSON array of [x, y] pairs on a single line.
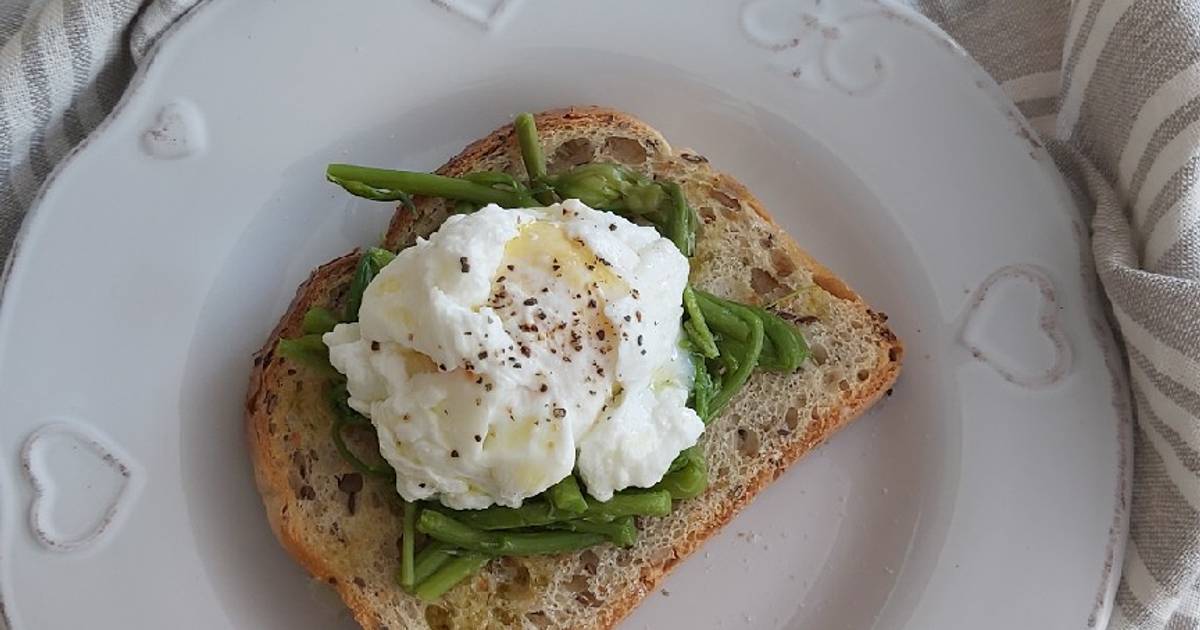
[[566, 496], [444, 528], [538, 513], [354, 178], [408, 545], [449, 574], [621, 532]]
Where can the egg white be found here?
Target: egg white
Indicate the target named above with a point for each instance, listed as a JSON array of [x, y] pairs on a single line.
[[515, 345]]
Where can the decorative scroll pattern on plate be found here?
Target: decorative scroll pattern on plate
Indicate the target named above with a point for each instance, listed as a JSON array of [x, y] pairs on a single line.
[[808, 39]]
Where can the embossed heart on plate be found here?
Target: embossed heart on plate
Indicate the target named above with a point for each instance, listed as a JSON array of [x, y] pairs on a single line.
[[485, 13], [178, 131], [1011, 323], [81, 485]]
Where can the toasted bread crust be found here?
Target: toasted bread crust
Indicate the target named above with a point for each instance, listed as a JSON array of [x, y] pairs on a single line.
[[271, 375], [270, 473]]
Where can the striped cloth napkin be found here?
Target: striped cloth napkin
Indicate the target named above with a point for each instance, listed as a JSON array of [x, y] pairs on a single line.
[[1113, 86]]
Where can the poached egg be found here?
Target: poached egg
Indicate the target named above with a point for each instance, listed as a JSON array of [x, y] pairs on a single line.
[[514, 346]]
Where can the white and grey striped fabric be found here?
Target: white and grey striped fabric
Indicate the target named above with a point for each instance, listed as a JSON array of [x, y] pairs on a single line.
[[1113, 85], [63, 65]]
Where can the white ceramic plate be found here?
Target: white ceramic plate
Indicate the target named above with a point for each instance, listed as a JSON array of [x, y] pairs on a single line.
[[988, 492]]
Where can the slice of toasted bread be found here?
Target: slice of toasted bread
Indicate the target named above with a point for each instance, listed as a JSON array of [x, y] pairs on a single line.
[[345, 529]]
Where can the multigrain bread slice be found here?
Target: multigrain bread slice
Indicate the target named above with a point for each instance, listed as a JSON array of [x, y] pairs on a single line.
[[345, 529]]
